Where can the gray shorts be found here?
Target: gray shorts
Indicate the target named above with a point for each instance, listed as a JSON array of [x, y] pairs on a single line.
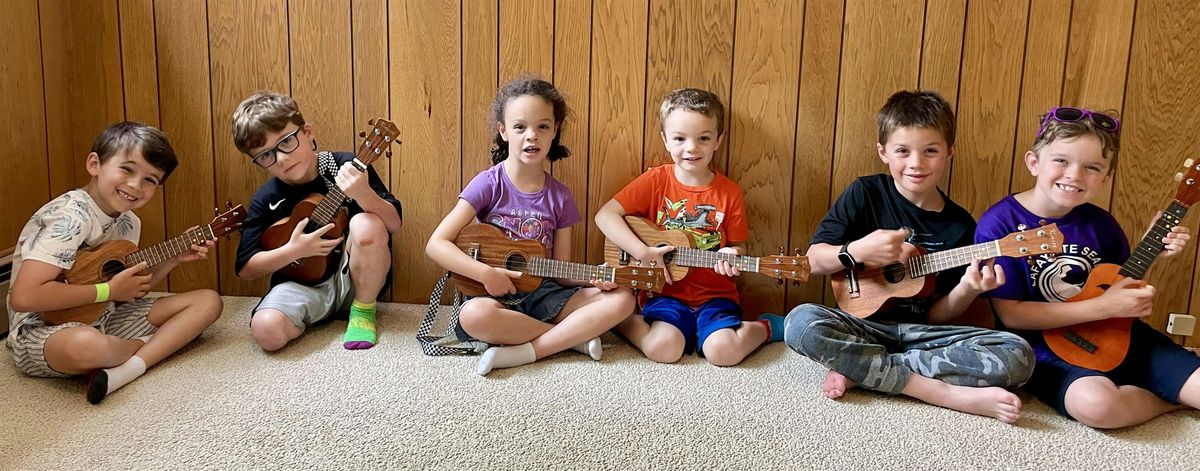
[[28, 340], [307, 305], [543, 303]]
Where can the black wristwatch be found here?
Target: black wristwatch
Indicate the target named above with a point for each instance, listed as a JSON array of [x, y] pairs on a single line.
[[847, 260]]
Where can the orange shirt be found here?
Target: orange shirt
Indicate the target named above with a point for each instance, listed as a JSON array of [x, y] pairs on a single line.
[[713, 215]]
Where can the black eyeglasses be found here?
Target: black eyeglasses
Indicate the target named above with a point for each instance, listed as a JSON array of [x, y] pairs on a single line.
[[1068, 114], [287, 145]]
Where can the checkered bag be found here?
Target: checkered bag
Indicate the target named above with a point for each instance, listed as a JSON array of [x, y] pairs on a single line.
[[447, 344]]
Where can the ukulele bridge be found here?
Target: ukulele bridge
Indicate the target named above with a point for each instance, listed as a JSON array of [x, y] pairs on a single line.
[[1080, 341]]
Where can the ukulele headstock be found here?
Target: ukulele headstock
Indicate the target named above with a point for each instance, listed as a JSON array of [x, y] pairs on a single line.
[[1035, 241], [649, 279], [1188, 193], [228, 222], [377, 141], [793, 267]]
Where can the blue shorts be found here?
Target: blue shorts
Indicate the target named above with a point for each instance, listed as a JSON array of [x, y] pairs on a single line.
[[543, 303], [1154, 363], [696, 324]]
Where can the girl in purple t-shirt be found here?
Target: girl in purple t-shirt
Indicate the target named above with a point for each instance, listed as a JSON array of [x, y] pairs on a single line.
[[524, 201]]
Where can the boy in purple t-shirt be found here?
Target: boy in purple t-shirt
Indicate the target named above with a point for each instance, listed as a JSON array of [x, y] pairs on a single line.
[[518, 196], [1073, 155]]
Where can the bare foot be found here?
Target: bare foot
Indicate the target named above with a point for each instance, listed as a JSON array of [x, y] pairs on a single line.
[[994, 402], [835, 385]]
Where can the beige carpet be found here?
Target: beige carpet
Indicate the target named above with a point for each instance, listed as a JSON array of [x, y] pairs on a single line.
[[224, 404]]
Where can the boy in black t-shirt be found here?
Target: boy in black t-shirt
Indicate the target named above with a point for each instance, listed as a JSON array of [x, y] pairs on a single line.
[[269, 128], [958, 367]]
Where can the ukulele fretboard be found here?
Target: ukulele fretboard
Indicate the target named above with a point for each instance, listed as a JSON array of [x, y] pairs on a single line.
[[922, 265], [329, 205], [690, 257], [170, 248], [1151, 245], [550, 268]]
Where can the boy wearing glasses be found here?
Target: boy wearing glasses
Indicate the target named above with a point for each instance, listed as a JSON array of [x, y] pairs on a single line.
[[1073, 155], [269, 128]]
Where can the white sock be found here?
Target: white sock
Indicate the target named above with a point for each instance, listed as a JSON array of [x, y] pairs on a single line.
[[593, 348], [107, 380], [505, 357]]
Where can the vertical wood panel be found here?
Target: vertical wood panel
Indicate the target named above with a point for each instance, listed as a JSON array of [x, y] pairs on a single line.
[[815, 123], [369, 46], [25, 185], [687, 43], [526, 38], [987, 102], [425, 97], [186, 116], [572, 77], [236, 72], [762, 134], [1096, 61], [941, 55], [322, 71], [480, 36], [1041, 85], [880, 56], [618, 107], [82, 66], [139, 63], [1159, 131]]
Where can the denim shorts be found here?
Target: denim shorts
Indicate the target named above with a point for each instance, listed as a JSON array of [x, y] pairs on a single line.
[[543, 303]]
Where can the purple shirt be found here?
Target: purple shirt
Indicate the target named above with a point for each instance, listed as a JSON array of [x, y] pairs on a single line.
[[530, 216], [1090, 236]]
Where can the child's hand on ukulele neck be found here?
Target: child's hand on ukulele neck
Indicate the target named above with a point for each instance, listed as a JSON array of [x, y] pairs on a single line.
[[881, 247], [1127, 298], [311, 244], [1174, 241], [653, 257], [130, 284], [498, 281], [982, 277], [725, 268], [353, 182], [197, 251]]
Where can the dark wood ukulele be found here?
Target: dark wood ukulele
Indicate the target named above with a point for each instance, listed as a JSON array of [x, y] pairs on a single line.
[[102, 263], [874, 288], [324, 209], [488, 244], [1102, 345], [686, 255]]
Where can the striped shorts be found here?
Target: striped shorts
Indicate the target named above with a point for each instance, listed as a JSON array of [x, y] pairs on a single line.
[[28, 341]]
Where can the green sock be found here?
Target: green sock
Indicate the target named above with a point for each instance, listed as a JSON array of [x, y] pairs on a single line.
[[360, 331]]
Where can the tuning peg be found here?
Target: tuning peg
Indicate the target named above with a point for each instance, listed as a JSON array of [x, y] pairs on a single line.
[[781, 252], [228, 204], [795, 282], [1188, 163], [779, 281], [371, 122], [796, 251], [388, 154], [216, 211], [362, 134], [1178, 177]]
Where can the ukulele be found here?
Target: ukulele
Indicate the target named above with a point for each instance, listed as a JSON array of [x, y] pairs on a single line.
[[102, 263], [871, 289], [1102, 345], [324, 209], [686, 255], [488, 244]]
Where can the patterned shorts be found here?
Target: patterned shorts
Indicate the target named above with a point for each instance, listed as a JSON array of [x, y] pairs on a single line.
[[28, 340]]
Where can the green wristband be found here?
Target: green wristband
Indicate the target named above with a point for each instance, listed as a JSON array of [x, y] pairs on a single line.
[[101, 292]]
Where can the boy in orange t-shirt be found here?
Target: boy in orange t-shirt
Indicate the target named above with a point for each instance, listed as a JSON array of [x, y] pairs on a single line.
[[699, 312]]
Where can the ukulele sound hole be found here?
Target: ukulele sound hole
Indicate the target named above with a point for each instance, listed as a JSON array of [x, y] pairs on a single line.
[[515, 262], [894, 273], [111, 268]]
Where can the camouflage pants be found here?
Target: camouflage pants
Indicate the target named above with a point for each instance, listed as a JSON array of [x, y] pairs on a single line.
[[881, 355]]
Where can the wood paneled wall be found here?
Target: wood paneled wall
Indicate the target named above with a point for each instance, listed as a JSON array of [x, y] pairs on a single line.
[[802, 81]]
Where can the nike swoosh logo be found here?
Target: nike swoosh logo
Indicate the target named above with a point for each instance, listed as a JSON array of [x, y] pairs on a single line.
[[276, 204]]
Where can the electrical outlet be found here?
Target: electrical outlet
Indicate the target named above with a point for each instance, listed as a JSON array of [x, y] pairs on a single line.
[[1181, 324]]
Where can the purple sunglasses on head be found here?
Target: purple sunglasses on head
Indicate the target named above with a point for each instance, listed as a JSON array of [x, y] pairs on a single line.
[[1068, 114]]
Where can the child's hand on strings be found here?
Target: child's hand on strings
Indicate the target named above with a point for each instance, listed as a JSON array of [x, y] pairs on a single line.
[[653, 257], [311, 244], [725, 268], [498, 281]]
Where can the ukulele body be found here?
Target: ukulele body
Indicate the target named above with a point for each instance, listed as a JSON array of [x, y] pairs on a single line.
[[652, 236], [1110, 337], [489, 244], [89, 268], [879, 287], [308, 270]]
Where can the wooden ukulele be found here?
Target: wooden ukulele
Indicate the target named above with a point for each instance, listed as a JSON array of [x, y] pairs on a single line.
[[686, 255], [324, 209], [488, 244], [102, 263], [1102, 345], [864, 292]]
